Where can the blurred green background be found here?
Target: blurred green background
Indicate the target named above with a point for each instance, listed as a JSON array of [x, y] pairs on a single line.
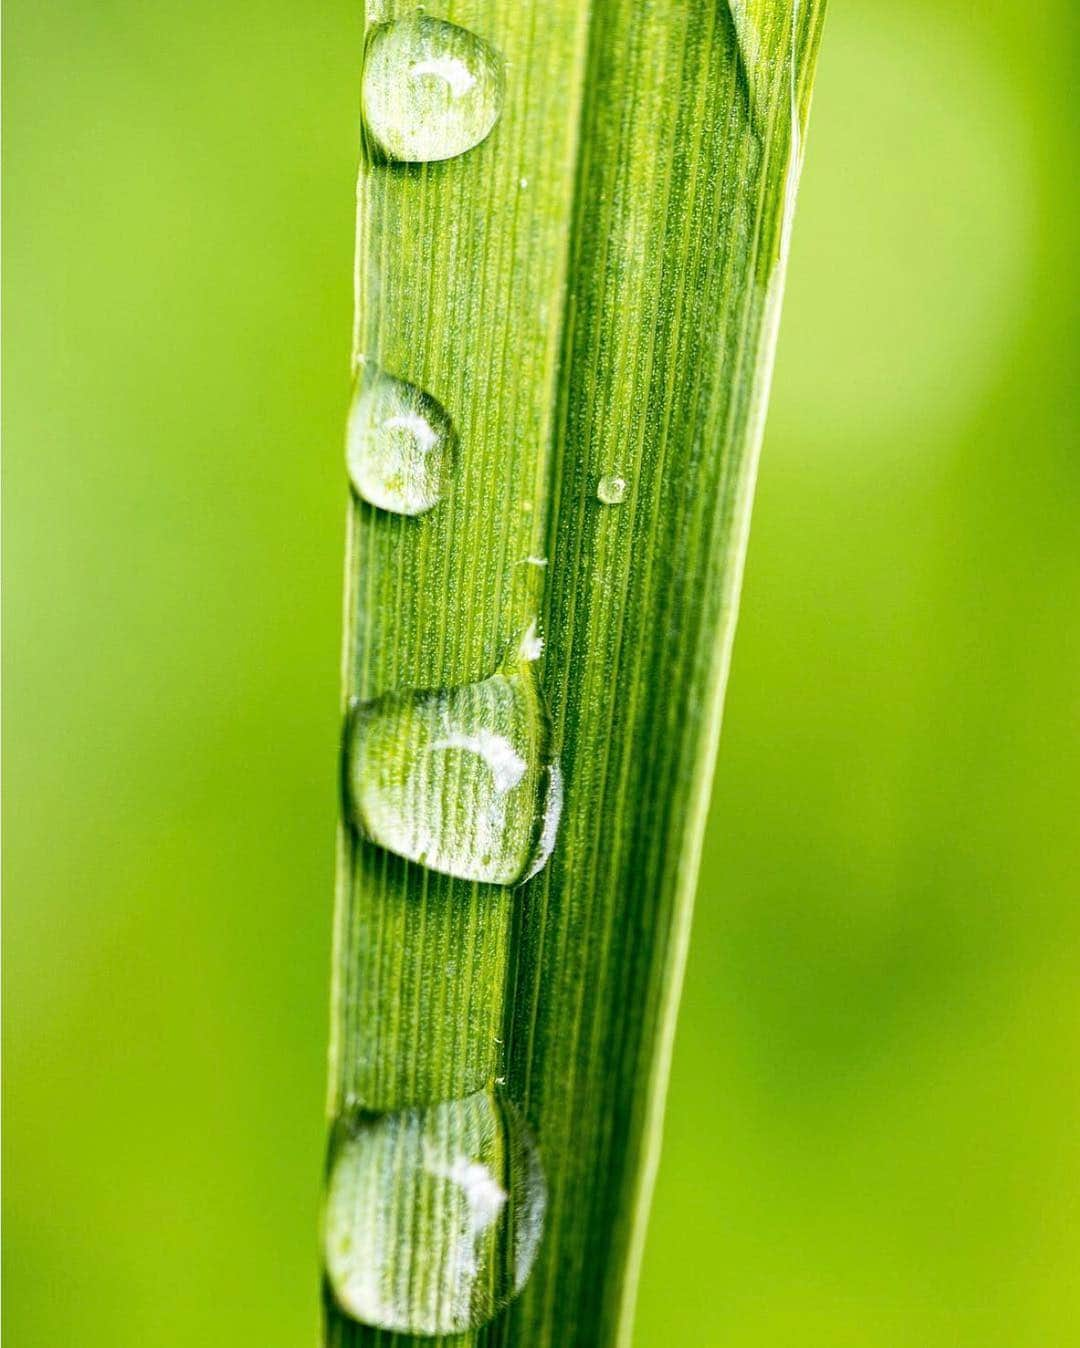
[[873, 1128]]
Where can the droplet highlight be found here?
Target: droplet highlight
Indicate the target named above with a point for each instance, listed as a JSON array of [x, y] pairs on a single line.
[[433, 1217], [549, 824], [400, 444], [611, 490], [459, 779], [430, 89]]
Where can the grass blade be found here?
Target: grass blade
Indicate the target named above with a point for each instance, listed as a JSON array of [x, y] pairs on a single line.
[[591, 293]]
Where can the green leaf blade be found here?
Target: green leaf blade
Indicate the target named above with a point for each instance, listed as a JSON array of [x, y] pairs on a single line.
[[659, 182]]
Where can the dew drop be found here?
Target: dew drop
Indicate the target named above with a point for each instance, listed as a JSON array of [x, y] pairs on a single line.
[[432, 1216], [611, 490], [458, 779], [400, 445], [531, 646], [430, 89]]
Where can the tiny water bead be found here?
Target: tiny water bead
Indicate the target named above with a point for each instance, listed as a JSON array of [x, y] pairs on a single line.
[[432, 1216], [611, 490], [430, 89], [400, 445], [463, 779]]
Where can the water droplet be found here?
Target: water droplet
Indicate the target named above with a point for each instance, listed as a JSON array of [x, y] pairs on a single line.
[[611, 489], [400, 445], [458, 779], [430, 89], [531, 646], [433, 1216]]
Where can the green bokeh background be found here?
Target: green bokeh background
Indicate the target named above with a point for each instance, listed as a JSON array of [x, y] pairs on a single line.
[[873, 1137]]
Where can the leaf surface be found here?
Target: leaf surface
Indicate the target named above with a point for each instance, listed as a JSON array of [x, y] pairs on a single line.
[[591, 293]]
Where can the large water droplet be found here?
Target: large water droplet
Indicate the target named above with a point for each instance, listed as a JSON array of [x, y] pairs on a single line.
[[433, 1216], [460, 779], [611, 490], [431, 90], [400, 445]]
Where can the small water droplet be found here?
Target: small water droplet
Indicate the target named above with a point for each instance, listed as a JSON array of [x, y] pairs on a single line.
[[458, 779], [400, 445], [531, 646], [430, 89], [433, 1216], [611, 489]]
